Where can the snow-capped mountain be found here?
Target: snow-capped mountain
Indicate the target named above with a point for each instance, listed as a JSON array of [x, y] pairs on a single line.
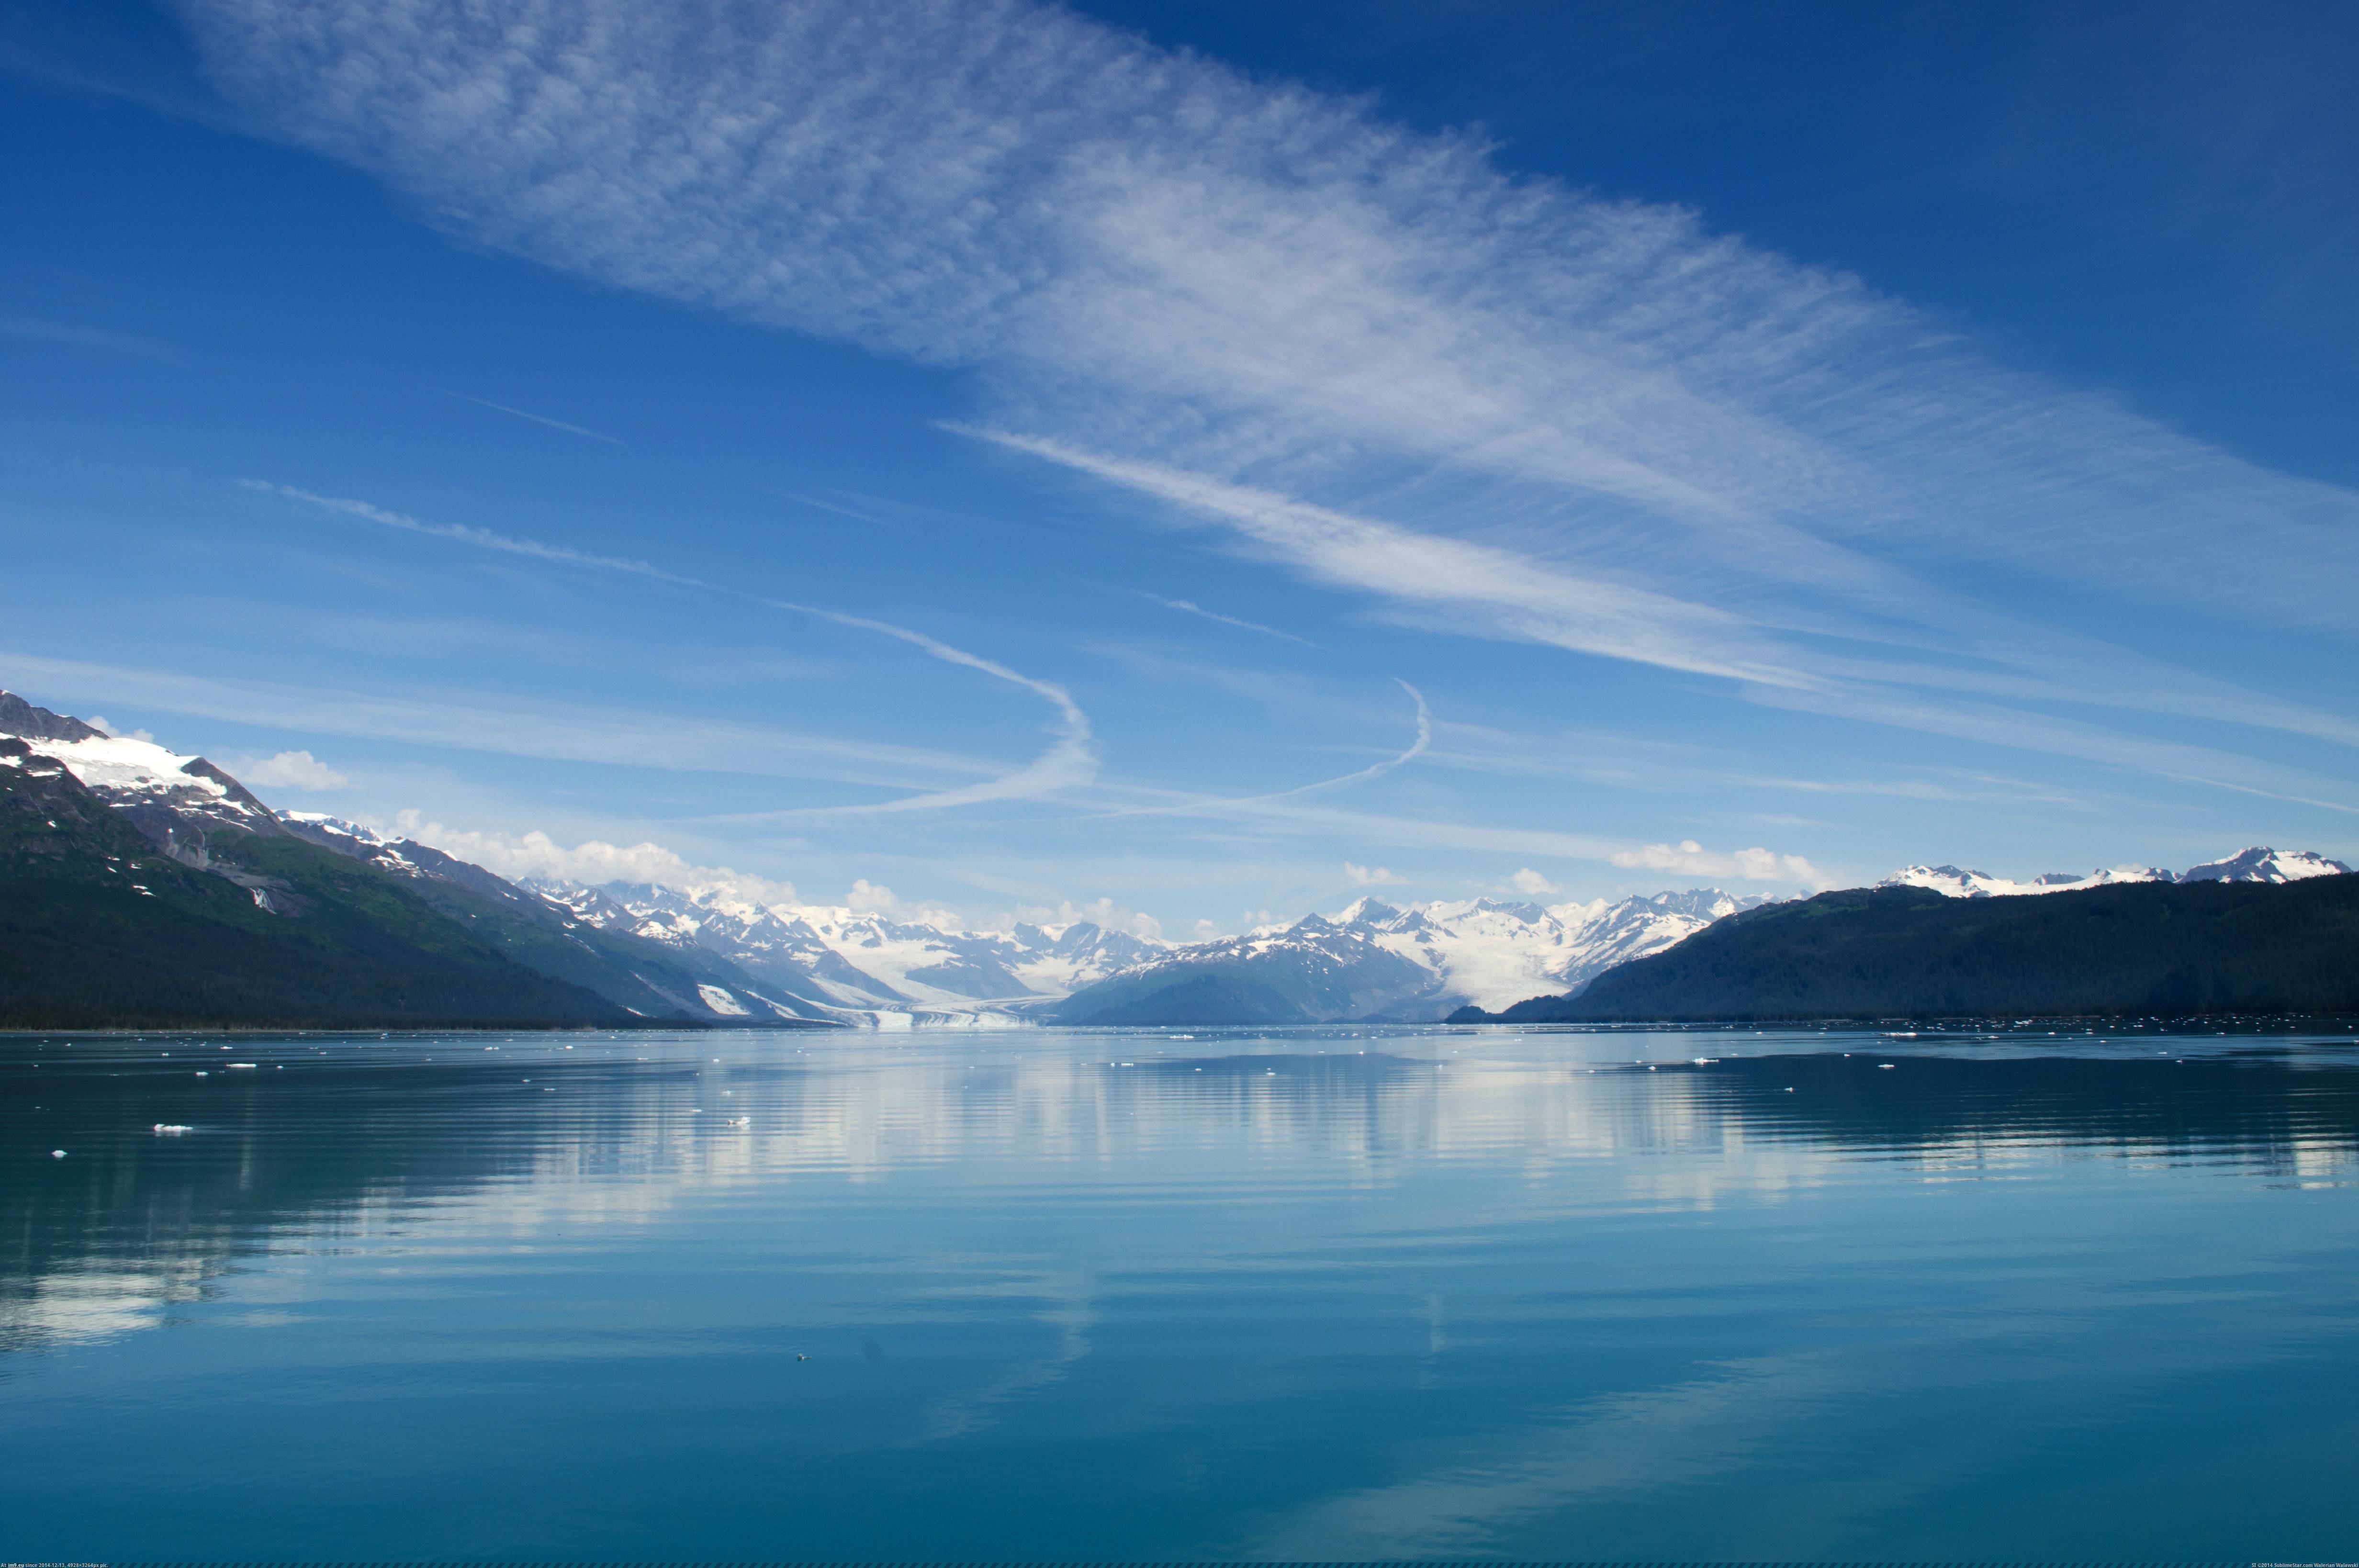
[[203, 819], [2259, 864], [1962, 884], [865, 966], [655, 976], [179, 803], [1490, 952], [714, 955], [1374, 959]]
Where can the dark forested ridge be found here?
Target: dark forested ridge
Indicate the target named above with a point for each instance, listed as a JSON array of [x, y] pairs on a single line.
[[1902, 953], [100, 927], [143, 889]]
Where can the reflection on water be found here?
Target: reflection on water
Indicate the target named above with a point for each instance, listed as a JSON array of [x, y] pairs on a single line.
[[1340, 1293]]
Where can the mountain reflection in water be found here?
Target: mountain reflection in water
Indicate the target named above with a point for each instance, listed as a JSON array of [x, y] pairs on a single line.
[[1324, 1293]]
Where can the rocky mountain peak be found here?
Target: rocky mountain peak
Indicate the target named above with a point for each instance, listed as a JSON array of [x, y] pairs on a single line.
[[18, 717], [2262, 864]]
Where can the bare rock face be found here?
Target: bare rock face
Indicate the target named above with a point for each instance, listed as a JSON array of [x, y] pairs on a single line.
[[18, 717]]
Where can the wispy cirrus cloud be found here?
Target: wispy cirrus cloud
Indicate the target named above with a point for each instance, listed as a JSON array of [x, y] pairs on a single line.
[[1210, 806], [564, 731], [536, 418], [460, 533], [1495, 592], [1069, 761], [855, 514], [1189, 607], [1492, 404], [1519, 597]]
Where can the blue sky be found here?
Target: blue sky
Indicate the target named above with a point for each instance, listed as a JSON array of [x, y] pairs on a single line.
[[1199, 462]]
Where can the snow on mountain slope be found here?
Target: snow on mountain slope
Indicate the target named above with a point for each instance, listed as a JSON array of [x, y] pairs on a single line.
[[1959, 884], [891, 972], [336, 826], [653, 978], [136, 774], [867, 966], [2259, 864], [179, 802], [1492, 953], [1314, 971], [1417, 962]]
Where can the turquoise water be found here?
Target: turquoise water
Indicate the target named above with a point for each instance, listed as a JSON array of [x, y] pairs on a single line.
[[1321, 1294]]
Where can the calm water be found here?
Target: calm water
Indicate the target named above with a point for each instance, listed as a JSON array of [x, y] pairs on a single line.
[[1331, 1294]]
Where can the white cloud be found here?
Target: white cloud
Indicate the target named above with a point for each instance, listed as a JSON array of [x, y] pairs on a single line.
[[1530, 883], [1189, 607], [1369, 876], [100, 722], [868, 897], [290, 770], [467, 721], [1630, 436], [1069, 761], [1517, 596], [1100, 911], [481, 538], [1206, 806], [1689, 858], [1472, 588], [594, 861]]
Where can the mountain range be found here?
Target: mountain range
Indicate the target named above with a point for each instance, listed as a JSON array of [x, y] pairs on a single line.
[[2256, 864], [2153, 948], [713, 956], [393, 929], [1374, 961]]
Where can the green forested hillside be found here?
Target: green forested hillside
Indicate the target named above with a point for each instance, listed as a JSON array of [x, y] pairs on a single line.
[[99, 928], [650, 979], [1896, 953]]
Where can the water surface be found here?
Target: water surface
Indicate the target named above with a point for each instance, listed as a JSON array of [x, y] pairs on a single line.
[[1341, 1293]]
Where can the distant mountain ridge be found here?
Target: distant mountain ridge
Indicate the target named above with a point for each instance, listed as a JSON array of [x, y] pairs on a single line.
[[1374, 961], [864, 966], [2259, 864], [712, 956], [2210, 946]]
